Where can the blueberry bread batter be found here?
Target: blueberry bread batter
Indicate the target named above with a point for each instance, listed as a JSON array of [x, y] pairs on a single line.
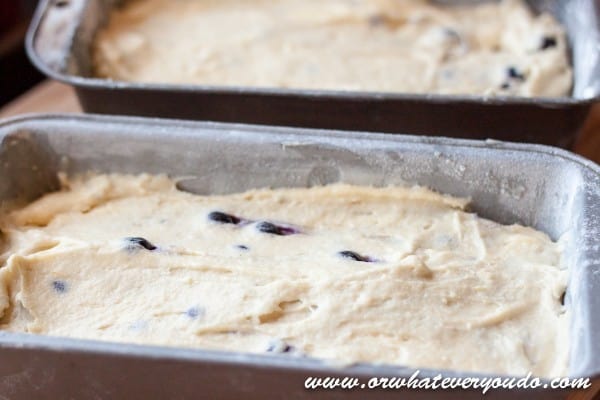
[[413, 46], [345, 273]]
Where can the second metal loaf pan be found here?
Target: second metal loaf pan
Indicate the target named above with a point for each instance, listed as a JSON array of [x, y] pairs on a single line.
[[62, 32]]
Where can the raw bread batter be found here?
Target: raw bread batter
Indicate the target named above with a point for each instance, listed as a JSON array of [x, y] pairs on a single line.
[[412, 46], [345, 273]]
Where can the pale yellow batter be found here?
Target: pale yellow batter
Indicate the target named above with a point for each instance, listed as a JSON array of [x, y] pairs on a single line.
[[345, 273], [413, 46]]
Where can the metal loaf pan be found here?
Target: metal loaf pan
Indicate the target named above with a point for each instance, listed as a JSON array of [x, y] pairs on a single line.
[[547, 188], [61, 34]]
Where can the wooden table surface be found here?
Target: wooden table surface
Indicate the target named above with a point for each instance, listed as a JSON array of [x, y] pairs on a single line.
[[50, 96]]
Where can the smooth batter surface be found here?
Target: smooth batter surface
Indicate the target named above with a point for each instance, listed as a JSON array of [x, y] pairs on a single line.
[[412, 46], [347, 273]]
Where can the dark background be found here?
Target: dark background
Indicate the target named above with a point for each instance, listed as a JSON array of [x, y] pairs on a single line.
[[16, 72]]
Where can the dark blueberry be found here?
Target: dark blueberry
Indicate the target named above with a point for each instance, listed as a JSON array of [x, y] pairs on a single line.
[[242, 247], [513, 73], [354, 256], [134, 243], [59, 286], [505, 86], [562, 297], [548, 42], [268, 227], [280, 347], [224, 218], [194, 312]]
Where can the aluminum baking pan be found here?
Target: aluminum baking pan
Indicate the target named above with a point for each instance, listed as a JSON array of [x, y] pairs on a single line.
[[548, 188], [61, 34]]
